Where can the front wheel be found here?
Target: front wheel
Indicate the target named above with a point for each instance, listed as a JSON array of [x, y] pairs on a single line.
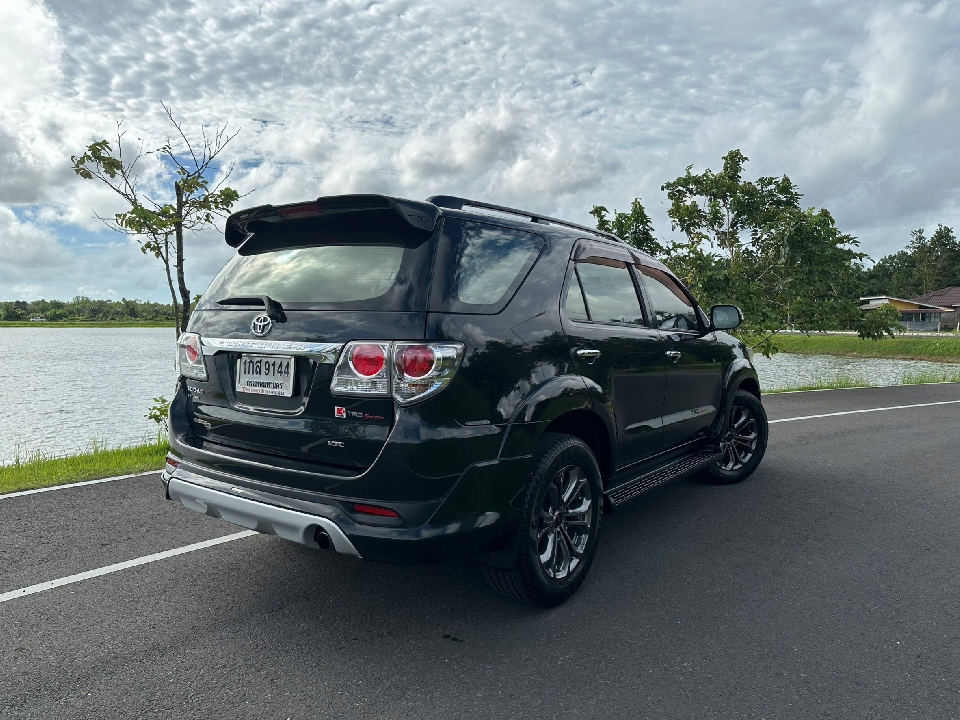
[[560, 525], [744, 441]]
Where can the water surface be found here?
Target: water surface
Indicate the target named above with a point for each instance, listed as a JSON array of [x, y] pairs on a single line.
[[60, 388]]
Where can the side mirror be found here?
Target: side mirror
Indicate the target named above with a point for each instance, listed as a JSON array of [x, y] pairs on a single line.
[[725, 317]]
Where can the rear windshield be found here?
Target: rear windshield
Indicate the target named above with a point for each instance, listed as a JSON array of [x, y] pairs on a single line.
[[363, 264], [324, 274]]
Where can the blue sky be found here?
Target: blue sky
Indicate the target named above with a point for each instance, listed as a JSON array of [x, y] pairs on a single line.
[[549, 106]]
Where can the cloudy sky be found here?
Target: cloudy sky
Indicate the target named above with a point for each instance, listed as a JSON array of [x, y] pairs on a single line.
[[550, 106]]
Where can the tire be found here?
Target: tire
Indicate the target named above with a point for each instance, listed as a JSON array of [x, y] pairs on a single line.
[[744, 441], [560, 525]]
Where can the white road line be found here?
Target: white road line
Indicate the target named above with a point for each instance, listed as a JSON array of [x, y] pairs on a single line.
[[868, 410], [79, 577], [21, 493]]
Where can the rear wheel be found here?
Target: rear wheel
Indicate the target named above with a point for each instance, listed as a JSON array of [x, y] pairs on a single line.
[[744, 441], [560, 525]]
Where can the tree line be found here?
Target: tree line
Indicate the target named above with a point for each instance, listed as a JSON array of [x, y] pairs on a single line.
[[753, 244], [925, 265], [83, 309]]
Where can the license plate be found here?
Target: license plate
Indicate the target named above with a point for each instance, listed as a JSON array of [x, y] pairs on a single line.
[[265, 375]]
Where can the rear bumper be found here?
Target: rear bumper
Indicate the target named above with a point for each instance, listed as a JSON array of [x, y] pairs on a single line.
[[298, 527], [447, 535]]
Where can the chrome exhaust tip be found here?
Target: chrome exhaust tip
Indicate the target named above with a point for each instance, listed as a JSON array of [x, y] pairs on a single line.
[[322, 539]]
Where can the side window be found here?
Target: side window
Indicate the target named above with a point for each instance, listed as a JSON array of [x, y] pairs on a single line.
[[671, 306], [573, 304], [609, 291], [480, 265]]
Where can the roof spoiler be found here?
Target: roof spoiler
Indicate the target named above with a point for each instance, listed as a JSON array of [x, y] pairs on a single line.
[[420, 215]]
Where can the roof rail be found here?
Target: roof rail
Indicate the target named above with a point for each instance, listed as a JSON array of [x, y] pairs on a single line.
[[458, 203]]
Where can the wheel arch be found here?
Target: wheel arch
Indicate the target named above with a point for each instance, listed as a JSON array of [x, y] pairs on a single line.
[[563, 404], [585, 424], [740, 375]]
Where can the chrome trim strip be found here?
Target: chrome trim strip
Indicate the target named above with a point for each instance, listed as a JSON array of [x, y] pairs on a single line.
[[291, 525], [321, 352]]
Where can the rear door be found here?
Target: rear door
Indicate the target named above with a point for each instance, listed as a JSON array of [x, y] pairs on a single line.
[[694, 360], [353, 276], [614, 347]]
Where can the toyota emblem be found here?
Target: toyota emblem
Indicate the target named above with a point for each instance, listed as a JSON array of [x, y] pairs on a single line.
[[261, 325]]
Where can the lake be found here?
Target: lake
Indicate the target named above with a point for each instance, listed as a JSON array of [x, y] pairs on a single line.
[[60, 388]]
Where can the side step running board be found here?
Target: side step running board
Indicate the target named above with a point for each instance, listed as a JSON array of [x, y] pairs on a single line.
[[642, 483]]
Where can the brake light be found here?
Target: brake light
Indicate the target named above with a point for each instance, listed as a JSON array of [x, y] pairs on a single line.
[[417, 360], [299, 211], [410, 371], [190, 357], [367, 359]]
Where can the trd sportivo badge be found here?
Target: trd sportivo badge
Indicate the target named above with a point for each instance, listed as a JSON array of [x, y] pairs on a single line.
[[261, 325], [339, 412]]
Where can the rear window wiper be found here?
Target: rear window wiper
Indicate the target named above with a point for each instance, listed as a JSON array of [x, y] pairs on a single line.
[[273, 309]]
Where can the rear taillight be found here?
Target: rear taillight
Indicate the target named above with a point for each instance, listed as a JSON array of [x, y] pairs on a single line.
[[422, 369], [416, 361], [190, 357], [362, 370], [410, 371], [367, 360]]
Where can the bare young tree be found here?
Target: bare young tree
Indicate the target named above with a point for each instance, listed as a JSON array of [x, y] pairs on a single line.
[[159, 226]]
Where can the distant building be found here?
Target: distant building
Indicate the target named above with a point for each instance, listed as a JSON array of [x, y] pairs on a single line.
[[914, 314], [948, 298]]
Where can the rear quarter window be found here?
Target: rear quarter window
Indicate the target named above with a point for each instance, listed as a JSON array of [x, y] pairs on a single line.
[[481, 265]]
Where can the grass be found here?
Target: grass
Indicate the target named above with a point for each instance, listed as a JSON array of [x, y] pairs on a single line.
[[91, 324], [39, 470], [935, 349], [846, 381]]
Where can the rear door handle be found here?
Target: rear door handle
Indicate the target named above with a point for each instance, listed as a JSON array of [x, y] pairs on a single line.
[[588, 354], [673, 355]]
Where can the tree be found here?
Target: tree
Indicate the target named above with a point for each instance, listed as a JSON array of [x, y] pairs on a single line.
[[925, 265], [718, 208], [635, 227], [160, 226], [750, 243]]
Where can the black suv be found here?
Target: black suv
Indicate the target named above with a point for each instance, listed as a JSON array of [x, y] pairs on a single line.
[[414, 381]]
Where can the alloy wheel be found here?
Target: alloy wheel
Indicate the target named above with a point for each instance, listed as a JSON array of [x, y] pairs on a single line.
[[740, 442], [564, 522]]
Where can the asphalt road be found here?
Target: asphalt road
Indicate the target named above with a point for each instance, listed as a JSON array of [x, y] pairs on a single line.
[[826, 586]]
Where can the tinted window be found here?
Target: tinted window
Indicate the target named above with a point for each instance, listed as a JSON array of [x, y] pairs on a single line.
[[481, 265], [573, 304], [671, 306], [370, 260], [324, 274], [609, 292]]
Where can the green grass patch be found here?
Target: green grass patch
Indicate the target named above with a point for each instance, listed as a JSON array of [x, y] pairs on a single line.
[[91, 324], [935, 349], [39, 470], [841, 382]]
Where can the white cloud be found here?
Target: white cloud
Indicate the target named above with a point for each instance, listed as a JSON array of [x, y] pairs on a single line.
[[549, 105]]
